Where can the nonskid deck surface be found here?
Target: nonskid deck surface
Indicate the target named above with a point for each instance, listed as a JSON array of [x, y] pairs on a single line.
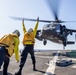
[[45, 65]]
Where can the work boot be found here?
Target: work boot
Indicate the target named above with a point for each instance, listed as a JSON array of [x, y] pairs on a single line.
[[18, 73], [34, 67]]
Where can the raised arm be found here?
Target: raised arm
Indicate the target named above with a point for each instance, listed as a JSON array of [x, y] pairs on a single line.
[[23, 26], [36, 27]]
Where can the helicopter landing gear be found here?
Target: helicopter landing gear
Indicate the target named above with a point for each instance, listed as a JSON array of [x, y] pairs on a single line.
[[64, 44], [63, 47], [44, 42]]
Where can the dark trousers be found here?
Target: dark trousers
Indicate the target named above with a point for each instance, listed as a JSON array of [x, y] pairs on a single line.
[[2, 54], [5, 66], [27, 49], [4, 58]]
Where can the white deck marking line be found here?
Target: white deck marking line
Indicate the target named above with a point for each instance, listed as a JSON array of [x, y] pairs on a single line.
[[52, 65], [74, 66], [43, 57]]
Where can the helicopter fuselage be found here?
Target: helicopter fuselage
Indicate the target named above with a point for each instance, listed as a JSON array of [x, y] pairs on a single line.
[[52, 32]]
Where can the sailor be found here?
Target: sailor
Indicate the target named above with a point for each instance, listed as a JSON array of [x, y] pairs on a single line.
[[28, 43], [8, 45]]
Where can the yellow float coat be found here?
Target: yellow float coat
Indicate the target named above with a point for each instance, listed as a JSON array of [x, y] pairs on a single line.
[[12, 42]]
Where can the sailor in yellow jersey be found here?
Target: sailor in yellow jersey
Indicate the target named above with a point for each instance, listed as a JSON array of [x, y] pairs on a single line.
[[28, 42], [8, 45]]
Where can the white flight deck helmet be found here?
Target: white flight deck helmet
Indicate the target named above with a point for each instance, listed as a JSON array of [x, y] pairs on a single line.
[[30, 30], [16, 32]]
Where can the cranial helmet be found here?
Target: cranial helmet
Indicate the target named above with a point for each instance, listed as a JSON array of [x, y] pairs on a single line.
[[16, 32], [30, 30]]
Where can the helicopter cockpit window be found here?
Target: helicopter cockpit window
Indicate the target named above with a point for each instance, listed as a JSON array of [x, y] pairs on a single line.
[[58, 28], [48, 25]]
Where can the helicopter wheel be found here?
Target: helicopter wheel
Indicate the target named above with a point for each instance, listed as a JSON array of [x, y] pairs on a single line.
[[44, 42], [63, 47], [64, 43]]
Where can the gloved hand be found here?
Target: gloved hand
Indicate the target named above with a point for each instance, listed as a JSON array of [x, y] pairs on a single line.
[[18, 61], [38, 19], [23, 20]]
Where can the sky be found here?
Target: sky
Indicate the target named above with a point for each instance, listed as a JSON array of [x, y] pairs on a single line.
[[34, 9]]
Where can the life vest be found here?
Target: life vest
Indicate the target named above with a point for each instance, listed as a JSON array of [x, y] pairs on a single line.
[[28, 38], [8, 42]]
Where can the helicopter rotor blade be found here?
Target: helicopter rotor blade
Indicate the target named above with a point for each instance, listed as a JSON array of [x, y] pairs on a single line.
[[28, 19], [46, 21], [54, 7]]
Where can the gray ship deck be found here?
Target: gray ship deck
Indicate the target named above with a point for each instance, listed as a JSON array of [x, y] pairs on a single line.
[[42, 59]]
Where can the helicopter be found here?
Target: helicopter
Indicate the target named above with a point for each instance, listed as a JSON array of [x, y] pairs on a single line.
[[54, 31]]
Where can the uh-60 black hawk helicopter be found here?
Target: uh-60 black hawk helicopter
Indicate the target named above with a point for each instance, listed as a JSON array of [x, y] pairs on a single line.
[[54, 31]]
